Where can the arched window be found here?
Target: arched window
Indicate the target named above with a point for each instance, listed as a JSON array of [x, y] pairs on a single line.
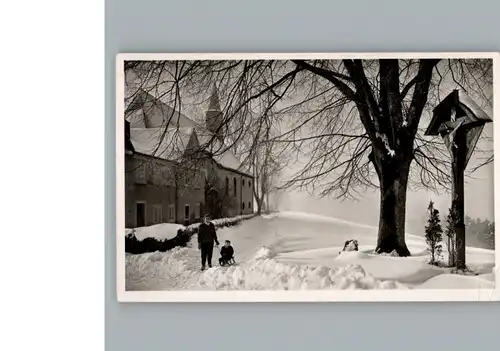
[[249, 205], [249, 183], [243, 205], [234, 183], [243, 182], [227, 186]]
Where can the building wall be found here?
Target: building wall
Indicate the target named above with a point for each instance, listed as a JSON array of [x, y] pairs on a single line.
[[240, 194], [152, 181], [193, 195], [148, 181], [247, 195], [232, 199]]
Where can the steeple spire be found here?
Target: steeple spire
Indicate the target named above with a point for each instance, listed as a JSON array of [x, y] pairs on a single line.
[[214, 104], [213, 115]]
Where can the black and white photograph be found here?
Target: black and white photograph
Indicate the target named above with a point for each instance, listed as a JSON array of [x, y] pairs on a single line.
[[326, 177]]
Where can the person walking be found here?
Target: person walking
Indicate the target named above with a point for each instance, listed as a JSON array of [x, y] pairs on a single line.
[[207, 236]]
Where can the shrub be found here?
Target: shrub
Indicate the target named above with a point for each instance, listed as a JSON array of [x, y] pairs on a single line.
[[135, 246], [434, 235]]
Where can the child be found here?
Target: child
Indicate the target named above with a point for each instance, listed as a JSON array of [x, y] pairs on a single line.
[[226, 253]]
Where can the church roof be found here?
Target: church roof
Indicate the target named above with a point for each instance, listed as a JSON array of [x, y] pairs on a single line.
[[221, 153], [146, 111], [151, 135], [164, 143]]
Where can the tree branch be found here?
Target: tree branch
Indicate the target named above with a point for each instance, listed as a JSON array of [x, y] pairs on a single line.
[[329, 75]]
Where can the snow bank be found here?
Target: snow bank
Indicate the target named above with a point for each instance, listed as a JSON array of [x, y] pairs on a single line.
[[221, 222], [178, 269], [165, 236], [264, 253], [310, 217], [158, 270], [270, 215], [162, 231], [165, 231], [265, 273]]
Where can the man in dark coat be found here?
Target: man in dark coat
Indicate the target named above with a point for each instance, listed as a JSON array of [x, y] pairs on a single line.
[[207, 236]]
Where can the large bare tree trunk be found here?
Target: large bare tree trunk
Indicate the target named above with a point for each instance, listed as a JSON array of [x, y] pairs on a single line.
[[393, 186], [267, 202], [259, 205]]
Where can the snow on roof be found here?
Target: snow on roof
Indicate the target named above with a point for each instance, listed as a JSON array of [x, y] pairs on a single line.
[[167, 144], [445, 112], [171, 143], [148, 125], [476, 110], [223, 155], [228, 160], [147, 111]]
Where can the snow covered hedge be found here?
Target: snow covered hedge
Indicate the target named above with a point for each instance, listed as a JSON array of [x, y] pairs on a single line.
[[156, 238], [219, 223]]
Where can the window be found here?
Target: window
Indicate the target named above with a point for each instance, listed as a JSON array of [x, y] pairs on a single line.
[[249, 205], [235, 187], [171, 213], [243, 182], [167, 176], [186, 212], [243, 205], [140, 174], [156, 174], [249, 183], [157, 214], [197, 210], [227, 186], [197, 181]]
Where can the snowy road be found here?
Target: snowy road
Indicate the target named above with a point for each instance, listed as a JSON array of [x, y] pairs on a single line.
[[299, 251]]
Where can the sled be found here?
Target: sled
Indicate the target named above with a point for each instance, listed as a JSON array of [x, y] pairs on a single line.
[[229, 262]]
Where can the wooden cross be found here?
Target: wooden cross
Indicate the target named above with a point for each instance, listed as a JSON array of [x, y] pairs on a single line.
[[460, 122]]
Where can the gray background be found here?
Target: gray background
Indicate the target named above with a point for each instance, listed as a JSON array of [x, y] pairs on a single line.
[[291, 26]]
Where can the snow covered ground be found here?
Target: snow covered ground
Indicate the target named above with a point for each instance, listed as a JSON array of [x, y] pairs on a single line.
[[289, 251], [161, 231]]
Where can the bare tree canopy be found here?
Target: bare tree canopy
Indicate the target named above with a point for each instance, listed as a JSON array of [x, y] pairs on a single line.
[[349, 124]]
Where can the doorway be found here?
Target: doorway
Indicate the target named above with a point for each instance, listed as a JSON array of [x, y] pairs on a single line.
[[140, 211], [186, 214]]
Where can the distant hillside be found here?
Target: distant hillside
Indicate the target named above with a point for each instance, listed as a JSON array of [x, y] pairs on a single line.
[[480, 233]]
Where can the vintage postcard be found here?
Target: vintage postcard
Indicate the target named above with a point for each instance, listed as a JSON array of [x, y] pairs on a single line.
[[306, 177]]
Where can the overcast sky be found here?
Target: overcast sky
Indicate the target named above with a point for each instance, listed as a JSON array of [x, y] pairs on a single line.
[[479, 197]]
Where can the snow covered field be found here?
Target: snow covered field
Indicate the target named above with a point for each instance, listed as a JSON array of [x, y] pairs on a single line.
[[289, 251]]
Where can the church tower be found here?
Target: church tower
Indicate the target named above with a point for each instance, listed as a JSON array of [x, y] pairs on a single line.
[[213, 116]]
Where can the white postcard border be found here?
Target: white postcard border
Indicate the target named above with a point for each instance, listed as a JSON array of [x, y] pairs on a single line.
[[417, 295]]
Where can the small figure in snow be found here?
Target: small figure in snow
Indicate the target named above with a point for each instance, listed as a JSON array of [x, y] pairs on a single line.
[[226, 254], [350, 245], [207, 236]]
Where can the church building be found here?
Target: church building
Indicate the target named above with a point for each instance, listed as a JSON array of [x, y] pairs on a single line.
[[177, 170]]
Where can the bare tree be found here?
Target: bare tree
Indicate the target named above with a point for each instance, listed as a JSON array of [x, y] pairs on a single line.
[[357, 123], [265, 157]]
